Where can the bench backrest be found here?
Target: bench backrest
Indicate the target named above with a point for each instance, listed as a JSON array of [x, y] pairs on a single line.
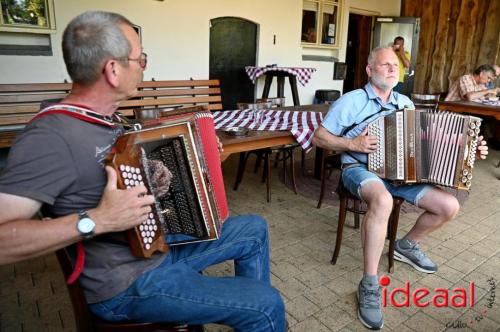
[[20, 102]]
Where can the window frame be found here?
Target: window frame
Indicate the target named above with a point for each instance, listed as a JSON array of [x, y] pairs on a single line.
[[321, 4], [26, 28]]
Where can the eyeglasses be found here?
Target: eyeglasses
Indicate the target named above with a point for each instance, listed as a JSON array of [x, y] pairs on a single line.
[[142, 60]]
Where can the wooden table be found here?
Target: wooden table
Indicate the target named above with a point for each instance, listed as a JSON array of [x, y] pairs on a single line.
[[470, 107], [255, 139]]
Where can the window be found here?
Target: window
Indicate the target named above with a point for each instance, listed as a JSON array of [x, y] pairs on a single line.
[[320, 23], [25, 27], [31, 16]]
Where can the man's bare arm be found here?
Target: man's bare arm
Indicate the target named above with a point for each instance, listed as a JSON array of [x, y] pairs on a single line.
[[22, 237], [363, 143], [481, 94]]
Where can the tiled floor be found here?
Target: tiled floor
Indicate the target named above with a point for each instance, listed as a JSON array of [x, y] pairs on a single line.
[[318, 295]]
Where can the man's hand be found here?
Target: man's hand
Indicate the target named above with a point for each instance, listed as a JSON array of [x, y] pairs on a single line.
[[118, 209], [219, 145], [482, 148], [363, 143]]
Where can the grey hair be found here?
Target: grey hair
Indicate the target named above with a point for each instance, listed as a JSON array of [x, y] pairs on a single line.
[[485, 68], [91, 39], [374, 52]]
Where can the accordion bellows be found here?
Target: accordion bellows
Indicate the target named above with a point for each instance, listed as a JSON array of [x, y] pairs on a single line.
[[195, 205], [425, 146]]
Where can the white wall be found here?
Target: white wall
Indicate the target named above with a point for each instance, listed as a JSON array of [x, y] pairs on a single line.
[[176, 38]]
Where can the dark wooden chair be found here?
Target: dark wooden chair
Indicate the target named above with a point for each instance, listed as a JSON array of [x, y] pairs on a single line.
[[88, 322], [429, 101], [283, 153], [351, 203]]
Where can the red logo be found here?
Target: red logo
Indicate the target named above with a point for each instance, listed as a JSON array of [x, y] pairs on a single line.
[[423, 297]]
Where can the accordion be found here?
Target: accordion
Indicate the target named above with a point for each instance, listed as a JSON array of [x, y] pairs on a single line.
[[195, 206], [424, 146]]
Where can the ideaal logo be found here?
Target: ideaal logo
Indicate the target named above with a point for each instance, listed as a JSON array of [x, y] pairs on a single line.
[[458, 297], [423, 297]]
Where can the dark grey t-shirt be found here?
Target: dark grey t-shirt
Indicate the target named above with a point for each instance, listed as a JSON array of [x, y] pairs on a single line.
[[58, 160]]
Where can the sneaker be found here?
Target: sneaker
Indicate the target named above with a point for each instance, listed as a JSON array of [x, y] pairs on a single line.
[[415, 257], [369, 309]]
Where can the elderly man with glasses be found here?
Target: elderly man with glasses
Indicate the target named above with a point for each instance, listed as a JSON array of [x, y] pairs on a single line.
[[473, 86], [57, 165]]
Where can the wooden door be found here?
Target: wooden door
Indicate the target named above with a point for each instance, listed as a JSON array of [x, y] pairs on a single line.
[[233, 45], [359, 37]]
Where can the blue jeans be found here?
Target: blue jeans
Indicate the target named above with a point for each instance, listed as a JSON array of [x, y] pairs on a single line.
[[356, 177], [175, 291]]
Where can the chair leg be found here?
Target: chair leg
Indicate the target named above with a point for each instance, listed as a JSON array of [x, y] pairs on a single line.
[[241, 169], [277, 158], [264, 173], [323, 182], [292, 171], [268, 176], [257, 161], [303, 161], [283, 160], [393, 223], [340, 229]]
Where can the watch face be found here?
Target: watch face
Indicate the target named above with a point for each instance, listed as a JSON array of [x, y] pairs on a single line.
[[86, 225]]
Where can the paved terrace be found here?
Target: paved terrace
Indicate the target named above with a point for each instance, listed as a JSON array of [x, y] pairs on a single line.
[[319, 297]]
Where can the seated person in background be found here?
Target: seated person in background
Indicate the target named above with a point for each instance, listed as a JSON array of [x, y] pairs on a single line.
[[473, 86], [344, 129], [57, 163], [494, 82]]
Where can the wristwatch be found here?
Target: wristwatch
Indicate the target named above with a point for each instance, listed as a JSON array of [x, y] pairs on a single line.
[[85, 225]]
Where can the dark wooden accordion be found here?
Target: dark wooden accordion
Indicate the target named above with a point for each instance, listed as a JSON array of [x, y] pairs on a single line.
[[195, 206], [424, 146]]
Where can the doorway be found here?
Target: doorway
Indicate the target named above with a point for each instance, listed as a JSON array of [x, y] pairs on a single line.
[[359, 36], [233, 45], [387, 28]]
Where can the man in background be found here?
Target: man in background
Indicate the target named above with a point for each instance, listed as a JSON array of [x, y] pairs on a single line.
[[403, 59], [473, 86]]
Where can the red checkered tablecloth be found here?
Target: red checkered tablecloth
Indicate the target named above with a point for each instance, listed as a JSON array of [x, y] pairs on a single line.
[[303, 74], [301, 124]]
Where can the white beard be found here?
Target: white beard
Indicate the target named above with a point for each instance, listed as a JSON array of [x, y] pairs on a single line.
[[381, 84]]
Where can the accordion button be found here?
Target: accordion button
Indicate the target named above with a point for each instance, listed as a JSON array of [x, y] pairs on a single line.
[[151, 215], [147, 246], [155, 228], [127, 182], [134, 176], [136, 183], [124, 175], [141, 227], [148, 233], [145, 240], [143, 234], [469, 176], [122, 167], [150, 239], [132, 169], [139, 177], [138, 170], [127, 168], [141, 183], [153, 234]]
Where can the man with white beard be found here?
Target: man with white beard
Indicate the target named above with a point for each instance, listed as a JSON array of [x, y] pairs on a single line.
[[344, 130]]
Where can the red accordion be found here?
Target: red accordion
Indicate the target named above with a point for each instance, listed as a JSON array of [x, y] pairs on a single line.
[[195, 205]]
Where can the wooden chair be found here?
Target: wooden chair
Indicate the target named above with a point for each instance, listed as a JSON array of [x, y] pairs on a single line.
[[425, 100], [351, 203], [282, 153], [88, 322]]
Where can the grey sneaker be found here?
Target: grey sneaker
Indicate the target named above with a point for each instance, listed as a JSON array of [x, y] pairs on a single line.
[[369, 308], [415, 257]]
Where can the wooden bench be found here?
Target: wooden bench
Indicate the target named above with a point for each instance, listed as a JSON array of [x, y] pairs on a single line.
[[20, 102]]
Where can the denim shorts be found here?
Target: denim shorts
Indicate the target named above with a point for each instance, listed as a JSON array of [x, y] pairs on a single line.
[[356, 177]]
